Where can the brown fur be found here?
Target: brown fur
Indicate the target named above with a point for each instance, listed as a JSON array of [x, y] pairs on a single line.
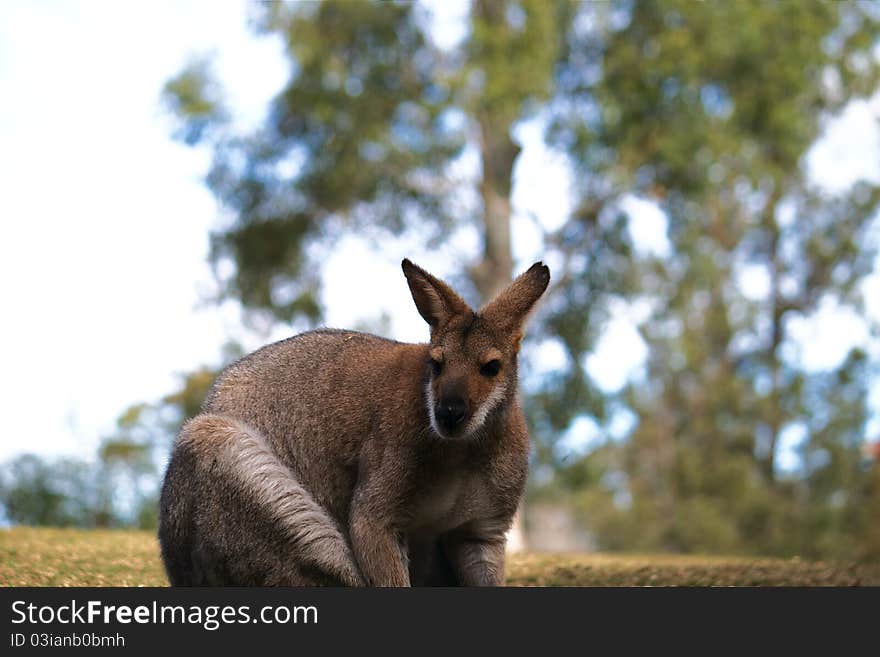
[[337, 457]]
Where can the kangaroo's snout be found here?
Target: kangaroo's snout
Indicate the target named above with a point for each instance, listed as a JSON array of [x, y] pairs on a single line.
[[450, 413]]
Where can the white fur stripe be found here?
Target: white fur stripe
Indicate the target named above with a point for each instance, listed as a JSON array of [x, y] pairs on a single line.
[[248, 458], [429, 400], [485, 408]]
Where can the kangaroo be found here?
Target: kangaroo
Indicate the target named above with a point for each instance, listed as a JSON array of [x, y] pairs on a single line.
[[342, 458]]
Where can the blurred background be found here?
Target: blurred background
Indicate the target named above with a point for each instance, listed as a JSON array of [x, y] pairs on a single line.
[[183, 182]]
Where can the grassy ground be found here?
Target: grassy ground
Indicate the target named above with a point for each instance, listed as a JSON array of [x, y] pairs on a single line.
[[74, 557], [70, 557]]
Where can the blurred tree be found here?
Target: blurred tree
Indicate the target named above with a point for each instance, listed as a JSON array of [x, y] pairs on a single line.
[[363, 135], [126, 467], [193, 93], [127, 459], [60, 492], [179, 406], [870, 545], [709, 111]]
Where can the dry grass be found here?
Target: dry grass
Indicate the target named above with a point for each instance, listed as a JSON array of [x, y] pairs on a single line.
[[683, 570], [38, 556], [71, 557]]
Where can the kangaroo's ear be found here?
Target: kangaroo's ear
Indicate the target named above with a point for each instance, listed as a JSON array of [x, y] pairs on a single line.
[[435, 300], [510, 309]]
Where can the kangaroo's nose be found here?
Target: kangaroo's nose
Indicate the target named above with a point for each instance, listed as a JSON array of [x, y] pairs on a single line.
[[450, 412]]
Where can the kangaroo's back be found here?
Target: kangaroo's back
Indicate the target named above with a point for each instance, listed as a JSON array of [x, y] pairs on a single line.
[[317, 395], [321, 385]]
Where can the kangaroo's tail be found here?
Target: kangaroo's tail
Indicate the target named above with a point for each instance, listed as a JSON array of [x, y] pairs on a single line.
[[243, 457]]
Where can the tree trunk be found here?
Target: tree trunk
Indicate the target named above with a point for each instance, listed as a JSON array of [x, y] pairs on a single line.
[[498, 154], [776, 310], [493, 273]]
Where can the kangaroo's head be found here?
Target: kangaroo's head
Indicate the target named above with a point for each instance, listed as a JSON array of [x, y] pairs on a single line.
[[471, 366]]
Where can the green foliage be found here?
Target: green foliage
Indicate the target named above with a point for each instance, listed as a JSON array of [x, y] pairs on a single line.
[[194, 93], [63, 492], [513, 48], [696, 107], [357, 136], [363, 135], [186, 402]]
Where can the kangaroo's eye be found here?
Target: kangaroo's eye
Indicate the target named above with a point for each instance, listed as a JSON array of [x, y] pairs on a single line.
[[436, 366], [491, 368]]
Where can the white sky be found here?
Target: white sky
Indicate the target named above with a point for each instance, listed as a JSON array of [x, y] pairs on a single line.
[[104, 219]]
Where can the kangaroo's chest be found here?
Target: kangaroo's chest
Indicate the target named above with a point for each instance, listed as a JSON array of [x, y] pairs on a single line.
[[446, 503]]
